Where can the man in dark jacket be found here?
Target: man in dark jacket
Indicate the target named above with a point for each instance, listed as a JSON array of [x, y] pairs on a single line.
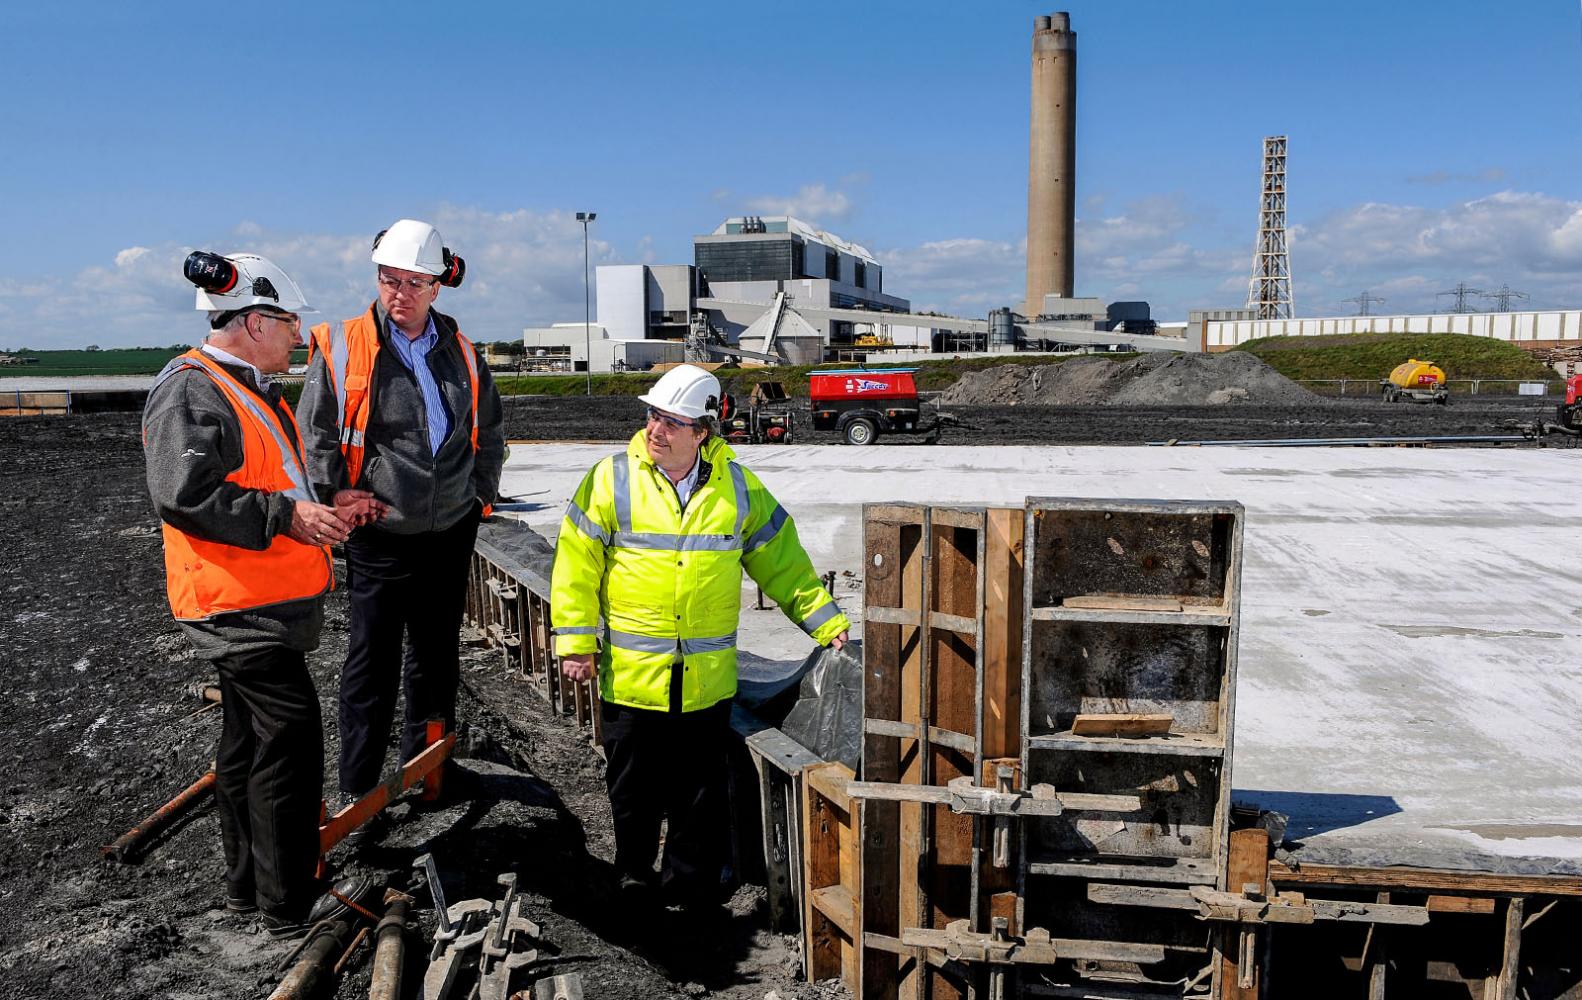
[[247, 561], [397, 402]]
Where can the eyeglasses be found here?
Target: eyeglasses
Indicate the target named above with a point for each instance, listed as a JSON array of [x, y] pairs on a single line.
[[290, 319], [669, 421], [395, 284]]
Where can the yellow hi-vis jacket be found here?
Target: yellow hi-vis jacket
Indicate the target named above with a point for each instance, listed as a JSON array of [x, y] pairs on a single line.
[[668, 585]]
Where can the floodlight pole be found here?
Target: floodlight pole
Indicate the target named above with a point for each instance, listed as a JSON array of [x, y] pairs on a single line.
[[587, 301]]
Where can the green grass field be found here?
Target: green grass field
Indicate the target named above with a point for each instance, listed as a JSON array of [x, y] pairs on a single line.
[[124, 361], [1373, 355], [113, 361]]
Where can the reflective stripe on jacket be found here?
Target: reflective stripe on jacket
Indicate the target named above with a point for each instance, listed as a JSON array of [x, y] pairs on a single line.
[[350, 350], [656, 584], [205, 578]]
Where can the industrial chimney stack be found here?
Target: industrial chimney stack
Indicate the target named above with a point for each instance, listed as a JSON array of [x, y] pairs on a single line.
[[1052, 167]]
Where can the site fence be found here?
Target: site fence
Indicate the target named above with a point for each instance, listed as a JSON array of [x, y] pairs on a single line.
[[1363, 388]]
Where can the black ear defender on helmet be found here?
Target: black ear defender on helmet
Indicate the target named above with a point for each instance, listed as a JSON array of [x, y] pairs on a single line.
[[215, 274], [712, 405], [455, 269]]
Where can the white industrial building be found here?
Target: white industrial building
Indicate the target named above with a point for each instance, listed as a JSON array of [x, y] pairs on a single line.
[[751, 276], [568, 347], [751, 259], [1554, 328]]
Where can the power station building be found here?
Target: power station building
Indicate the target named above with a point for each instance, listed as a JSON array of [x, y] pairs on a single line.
[[643, 312], [752, 258]]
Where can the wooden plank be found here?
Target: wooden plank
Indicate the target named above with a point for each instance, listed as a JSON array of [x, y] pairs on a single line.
[[1238, 978], [1425, 880], [821, 836], [892, 536], [1178, 871], [1121, 602], [829, 780], [953, 623], [912, 837], [1122, 724], [1002, 633], [893, 616], [835, 902], [955, 603], [1378, 957], [1511, 948], [1460, 904]]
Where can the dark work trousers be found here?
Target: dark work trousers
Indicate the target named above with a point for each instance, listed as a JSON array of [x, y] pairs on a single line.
[[671, 766], [269, 779], [400, 585]]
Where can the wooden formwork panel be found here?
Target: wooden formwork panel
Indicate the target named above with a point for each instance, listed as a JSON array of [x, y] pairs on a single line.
[[831, 877], [942, 639], [894, 657], [1128, 689]]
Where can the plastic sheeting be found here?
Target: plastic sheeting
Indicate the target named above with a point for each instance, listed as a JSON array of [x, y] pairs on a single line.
[[827, 716]]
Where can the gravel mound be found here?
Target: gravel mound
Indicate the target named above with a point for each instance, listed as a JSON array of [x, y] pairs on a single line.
[[1149, 380]]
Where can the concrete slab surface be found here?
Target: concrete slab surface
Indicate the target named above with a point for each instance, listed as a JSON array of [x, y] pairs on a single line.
[[1410, 663]]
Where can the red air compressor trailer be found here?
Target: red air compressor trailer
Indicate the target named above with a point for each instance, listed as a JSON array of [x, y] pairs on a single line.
[[862, 403]]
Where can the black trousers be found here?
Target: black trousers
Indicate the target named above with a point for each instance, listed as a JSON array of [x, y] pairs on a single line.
[[269, 779], [400, 585], [670, 766]]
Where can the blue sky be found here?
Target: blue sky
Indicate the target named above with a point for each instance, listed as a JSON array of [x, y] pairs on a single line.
[[1429, 143]]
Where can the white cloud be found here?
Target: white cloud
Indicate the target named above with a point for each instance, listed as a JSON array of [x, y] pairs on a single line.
[[965, 276], [812, 203], [1529, 241], [523, 269], [1153, 249]]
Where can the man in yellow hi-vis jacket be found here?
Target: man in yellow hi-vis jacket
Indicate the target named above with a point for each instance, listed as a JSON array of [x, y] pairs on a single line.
[[647, 590]]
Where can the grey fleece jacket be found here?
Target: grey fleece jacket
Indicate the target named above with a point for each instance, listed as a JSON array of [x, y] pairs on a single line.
[[192, 440], [425, 491]]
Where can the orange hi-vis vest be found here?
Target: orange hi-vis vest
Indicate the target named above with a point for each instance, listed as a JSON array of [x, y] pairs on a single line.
[[350, 351], [205, 578]]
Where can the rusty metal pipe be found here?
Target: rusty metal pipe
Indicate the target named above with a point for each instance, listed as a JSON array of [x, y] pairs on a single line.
[[389, 949], [315, 960], [126, 845]]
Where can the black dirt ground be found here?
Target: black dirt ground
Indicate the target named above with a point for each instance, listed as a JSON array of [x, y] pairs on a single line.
[[98, 730], [611, 418]]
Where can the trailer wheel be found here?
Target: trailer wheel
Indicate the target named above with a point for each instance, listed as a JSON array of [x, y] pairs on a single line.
[[860, 431]]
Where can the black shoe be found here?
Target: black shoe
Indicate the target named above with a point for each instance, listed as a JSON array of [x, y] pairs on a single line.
[[237, 904], [283, 925]]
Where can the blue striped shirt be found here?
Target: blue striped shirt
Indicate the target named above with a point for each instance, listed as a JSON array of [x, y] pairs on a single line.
[[414, 354]]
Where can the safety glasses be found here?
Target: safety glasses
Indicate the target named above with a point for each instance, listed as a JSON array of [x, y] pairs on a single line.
[[395, 284], [669, 421]]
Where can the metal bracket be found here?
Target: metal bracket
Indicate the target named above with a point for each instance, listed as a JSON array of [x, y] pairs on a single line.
[[998, 947]]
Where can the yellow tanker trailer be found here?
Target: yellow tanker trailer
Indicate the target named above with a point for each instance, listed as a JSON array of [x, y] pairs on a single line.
[[1418, 381]]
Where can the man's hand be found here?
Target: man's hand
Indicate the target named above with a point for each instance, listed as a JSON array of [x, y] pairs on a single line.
[[359, 507], [578, 666], [316, 524], [840, 640]]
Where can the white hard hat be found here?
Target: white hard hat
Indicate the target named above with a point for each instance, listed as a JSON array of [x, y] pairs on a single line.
[[687, 390], [416, 246], [239, 280]]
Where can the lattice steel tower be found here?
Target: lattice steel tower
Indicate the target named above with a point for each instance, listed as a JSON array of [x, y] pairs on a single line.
[[1269, 292]]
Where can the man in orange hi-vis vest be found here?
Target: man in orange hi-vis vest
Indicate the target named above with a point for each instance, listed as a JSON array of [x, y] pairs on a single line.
[[397, 402], [247, 561]]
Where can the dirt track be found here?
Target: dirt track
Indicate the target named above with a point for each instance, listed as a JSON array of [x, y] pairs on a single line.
[[575, 418]]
